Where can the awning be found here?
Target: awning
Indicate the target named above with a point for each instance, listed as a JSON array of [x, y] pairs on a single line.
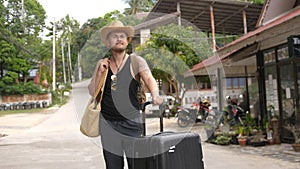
[[228, 14]]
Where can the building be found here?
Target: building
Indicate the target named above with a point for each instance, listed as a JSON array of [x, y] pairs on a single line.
[[215, 18], [262, 64], [269, 57]]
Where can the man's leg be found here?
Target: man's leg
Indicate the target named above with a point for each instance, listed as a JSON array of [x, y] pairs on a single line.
[[113, 161], [133, 145], [136, 163], [112, 145]]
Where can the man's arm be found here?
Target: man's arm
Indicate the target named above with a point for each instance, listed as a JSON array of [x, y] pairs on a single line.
[[100, 67], [152, 86]]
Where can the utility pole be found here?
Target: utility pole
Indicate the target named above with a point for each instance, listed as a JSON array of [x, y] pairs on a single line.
[[23, 15], [69, 52], [70, 61], [63, 59], [53, 58], [79, 68]]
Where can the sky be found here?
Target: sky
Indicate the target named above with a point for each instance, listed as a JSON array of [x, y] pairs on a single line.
[[81, 10]]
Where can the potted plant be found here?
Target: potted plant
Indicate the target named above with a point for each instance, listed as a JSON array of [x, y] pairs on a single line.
[[296, 133], [223, 140], [242, 139], [258, 138]]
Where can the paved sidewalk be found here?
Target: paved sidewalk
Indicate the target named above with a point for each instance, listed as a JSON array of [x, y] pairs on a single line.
[[14, 124]]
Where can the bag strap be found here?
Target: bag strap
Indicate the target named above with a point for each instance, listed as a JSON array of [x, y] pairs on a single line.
[[99, 92]]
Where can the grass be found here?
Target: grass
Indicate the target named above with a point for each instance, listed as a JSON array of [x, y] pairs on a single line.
[[56, 100], [36, 110]]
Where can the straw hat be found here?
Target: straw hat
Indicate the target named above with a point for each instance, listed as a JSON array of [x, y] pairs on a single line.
[[115, 26]]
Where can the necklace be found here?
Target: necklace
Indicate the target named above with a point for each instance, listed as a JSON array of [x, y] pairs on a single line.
[[118, 66], [114, 76]]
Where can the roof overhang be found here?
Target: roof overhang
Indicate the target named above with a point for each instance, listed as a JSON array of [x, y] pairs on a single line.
[[279, 29], [228, 14], [267, 36]]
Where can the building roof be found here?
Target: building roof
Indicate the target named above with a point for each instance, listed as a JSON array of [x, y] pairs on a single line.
[[228, 14], [251, 39]]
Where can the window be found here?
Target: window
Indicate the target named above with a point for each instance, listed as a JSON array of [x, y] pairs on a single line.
[[203, 82], [269, 57], [282, 53], [242, 82], [235, 83]]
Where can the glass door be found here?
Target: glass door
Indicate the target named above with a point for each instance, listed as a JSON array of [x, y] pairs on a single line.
[[288, 97], [288, 100], [297, 115]]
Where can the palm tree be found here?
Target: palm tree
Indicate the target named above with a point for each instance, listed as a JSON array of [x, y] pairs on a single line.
[[68, 26], [137, 6]]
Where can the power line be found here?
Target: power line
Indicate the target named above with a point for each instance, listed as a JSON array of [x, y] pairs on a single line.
[[9, 39]]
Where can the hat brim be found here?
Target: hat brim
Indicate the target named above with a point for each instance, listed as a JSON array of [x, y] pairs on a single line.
[[105, 31]]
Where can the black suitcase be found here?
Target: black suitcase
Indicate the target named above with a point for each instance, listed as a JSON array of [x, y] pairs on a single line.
[[168, 150]]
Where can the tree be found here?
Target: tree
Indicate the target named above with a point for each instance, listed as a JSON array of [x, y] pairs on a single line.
[[172, 50], [256, 1], [20, 34], [69, 27], [137, 6]]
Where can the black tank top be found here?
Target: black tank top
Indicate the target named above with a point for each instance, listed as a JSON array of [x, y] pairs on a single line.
[[122, 103]]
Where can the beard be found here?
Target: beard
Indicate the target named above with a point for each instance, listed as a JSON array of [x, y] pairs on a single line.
[[118, 49]]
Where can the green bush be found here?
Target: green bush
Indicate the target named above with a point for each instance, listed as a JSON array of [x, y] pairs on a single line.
[[21, 88], [223, 140]]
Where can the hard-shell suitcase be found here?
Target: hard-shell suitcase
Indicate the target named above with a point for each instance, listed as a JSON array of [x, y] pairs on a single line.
[[169, 150]]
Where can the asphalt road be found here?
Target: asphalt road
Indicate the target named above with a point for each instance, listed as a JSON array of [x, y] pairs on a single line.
[[56, 143]]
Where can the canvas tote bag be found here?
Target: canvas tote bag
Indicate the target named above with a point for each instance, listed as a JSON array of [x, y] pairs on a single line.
[[90, 121]]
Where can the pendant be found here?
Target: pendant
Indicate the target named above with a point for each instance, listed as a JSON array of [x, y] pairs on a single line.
[[113, 77]]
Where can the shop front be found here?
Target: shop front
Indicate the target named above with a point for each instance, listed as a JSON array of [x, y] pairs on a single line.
[[280, 85]]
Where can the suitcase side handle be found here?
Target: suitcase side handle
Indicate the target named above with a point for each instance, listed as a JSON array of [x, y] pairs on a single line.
[[163, 132]]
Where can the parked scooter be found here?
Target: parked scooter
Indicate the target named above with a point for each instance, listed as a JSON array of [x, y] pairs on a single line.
[[204, 109], [186, 116], [167, 112], [233, 113]]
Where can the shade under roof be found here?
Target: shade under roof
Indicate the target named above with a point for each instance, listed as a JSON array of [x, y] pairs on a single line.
[[228, 14]]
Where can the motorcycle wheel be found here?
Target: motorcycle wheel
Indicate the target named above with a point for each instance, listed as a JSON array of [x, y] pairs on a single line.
[[182, 120]]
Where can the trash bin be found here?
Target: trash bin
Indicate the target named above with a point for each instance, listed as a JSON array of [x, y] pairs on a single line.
[[15, 106], [20, 106], [37, 105], [32, 105], [44, 104], [2, 107], [8, 106], [26, 105]]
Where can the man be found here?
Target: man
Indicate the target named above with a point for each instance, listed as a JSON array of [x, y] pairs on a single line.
[[120, 120]]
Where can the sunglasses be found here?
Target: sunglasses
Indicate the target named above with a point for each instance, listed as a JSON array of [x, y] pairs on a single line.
[[113, 82]]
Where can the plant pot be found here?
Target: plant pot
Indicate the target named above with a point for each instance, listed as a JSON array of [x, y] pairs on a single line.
[[270, 142], [296, 147], [242, 141], [258, 143]]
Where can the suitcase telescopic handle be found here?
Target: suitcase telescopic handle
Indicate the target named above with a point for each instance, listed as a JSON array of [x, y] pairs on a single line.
[[161, 120], [161, 109], [146, 104], [144, 116]]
